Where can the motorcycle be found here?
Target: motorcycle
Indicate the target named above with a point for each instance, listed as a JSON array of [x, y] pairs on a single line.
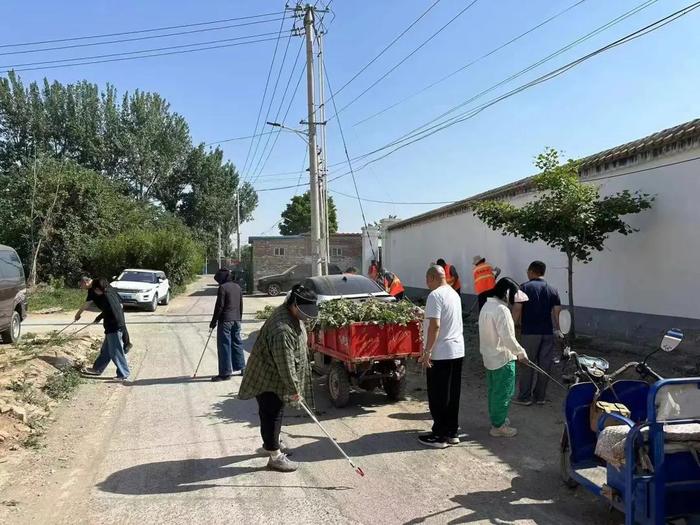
[[633, 442]]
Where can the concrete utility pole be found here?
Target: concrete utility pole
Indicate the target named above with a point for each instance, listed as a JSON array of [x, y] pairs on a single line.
[[316, 268], [323, 178], [238, 225], [218, 233]]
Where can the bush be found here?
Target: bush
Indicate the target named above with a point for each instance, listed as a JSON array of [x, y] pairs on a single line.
[[171, 249]]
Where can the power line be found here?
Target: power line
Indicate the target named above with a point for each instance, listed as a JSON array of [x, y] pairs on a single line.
[[475, 61], [398, 64], [387, 47], [301, 173], [138, 31], [131, 53], [364, 199], [121, 59], [245, 137], [137, 39], [262, 102]]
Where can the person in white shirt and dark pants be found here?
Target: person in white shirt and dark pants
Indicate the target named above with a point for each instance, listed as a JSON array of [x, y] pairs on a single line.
[[499, 350], [443, 356]]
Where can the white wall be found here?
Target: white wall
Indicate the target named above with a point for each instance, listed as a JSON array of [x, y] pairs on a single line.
[[653, 271]]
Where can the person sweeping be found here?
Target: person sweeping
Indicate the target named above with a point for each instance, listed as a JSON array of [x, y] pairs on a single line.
[[278, 371], [499, 350]]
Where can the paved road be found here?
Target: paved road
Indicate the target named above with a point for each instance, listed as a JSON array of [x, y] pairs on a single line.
[[172, 449]]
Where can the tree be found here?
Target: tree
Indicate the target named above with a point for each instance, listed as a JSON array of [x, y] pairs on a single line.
[[296, 218], [569, 215]]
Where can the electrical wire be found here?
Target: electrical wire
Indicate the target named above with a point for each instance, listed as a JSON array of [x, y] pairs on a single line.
[[347, 156], [364, 199], [131, 53], [262, 102], [139, 31], [469, 64], [124, 58], [257, 169], [248, 174], [398, 64], [301, 173], [245, 137], [138, 39], [388, 46], [658, 24]]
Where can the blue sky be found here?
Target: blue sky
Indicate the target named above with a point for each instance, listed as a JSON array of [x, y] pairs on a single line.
[[622, 95]]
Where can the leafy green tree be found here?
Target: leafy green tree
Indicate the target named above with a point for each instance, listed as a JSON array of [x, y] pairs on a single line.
[[296, 218], [568, 215]]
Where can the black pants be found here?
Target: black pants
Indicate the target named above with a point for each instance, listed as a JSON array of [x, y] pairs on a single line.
[[482, 299], [271, 410], [444, 390], [399, 296]]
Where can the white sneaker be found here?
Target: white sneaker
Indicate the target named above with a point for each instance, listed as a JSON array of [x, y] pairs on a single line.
[[281, 464], [504, 431]]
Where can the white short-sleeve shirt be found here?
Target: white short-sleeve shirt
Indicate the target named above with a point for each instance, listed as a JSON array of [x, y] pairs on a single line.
[[445, 304]]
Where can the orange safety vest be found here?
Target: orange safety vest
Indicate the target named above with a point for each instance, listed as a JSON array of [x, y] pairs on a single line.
[[394, 287], [484, 279], [451, 280]]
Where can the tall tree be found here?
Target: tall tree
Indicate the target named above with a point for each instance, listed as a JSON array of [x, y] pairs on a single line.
[[568, 215], [296, 218]]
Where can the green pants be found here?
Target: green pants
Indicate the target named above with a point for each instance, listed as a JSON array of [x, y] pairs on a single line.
[[501, 386]]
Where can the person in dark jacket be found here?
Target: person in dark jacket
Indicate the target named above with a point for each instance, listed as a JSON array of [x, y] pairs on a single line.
[[227, 320], [112, 317], [86, 284]]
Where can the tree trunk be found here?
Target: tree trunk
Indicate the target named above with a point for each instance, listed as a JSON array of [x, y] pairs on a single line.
[[31, 282], [570, 271]]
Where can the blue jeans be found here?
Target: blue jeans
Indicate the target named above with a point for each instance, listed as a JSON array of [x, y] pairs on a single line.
[[112, 350], [229, 347]]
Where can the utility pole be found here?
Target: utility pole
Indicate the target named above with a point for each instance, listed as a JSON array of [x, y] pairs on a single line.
[[218, 232], [313, 154], [323, 179], [238, 225]]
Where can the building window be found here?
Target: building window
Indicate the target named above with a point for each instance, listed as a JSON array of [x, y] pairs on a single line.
[[336, 252], [279, 251]]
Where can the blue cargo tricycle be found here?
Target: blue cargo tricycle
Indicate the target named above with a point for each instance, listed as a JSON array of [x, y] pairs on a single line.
[[634, 442]]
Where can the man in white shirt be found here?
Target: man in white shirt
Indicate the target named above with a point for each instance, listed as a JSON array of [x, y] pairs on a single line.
[[443, 356], [499, 350]]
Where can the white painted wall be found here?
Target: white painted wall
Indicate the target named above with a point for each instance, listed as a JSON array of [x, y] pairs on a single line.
[[653, 271]]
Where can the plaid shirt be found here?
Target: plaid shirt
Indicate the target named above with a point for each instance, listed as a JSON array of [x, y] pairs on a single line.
[[279, 360]]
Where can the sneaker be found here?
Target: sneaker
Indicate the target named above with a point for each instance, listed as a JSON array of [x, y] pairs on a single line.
[[431, 440], [543, 402], [220, 378], [91, 372], [281, 464], [453, 440], [523, 402], [504, 431]]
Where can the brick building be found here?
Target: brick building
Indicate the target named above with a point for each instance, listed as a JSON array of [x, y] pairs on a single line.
[[274, 254]]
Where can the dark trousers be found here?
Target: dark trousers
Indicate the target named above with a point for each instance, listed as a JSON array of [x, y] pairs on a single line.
[[444, 390], [482, 299], [540, 350], [229, 347], [271, 411]]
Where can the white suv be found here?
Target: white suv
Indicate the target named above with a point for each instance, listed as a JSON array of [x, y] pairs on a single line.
[[144, 288]]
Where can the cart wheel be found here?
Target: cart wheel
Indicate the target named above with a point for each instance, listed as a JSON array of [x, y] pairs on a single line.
[[338, 384], [395, 388], [565, 461]]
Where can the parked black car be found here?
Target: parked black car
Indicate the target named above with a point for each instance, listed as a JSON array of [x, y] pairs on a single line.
[[13, 295], [275, 284]]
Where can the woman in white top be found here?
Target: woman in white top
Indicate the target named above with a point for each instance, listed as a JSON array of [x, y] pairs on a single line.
[[499, 350]]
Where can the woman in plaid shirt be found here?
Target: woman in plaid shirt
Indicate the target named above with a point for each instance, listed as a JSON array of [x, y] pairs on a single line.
[[278, 370]]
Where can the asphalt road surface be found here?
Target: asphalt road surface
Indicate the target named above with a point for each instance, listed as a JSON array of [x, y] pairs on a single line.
[[172, 449]]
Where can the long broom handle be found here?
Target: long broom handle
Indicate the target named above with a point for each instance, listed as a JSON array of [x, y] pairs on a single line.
[[357, 469], [67, 326], [211, 330], [538, 369]]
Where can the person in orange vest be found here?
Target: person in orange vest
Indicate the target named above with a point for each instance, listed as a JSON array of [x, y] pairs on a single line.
[[373, 272], [393, 286], [485, 277], [451, 275]]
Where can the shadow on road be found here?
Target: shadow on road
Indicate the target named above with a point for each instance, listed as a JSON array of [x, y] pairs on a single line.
[[172, 477], [170, 380], [520, 501]]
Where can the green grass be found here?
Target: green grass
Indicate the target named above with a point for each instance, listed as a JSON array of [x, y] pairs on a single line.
[[66, 298], [61, 384]]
